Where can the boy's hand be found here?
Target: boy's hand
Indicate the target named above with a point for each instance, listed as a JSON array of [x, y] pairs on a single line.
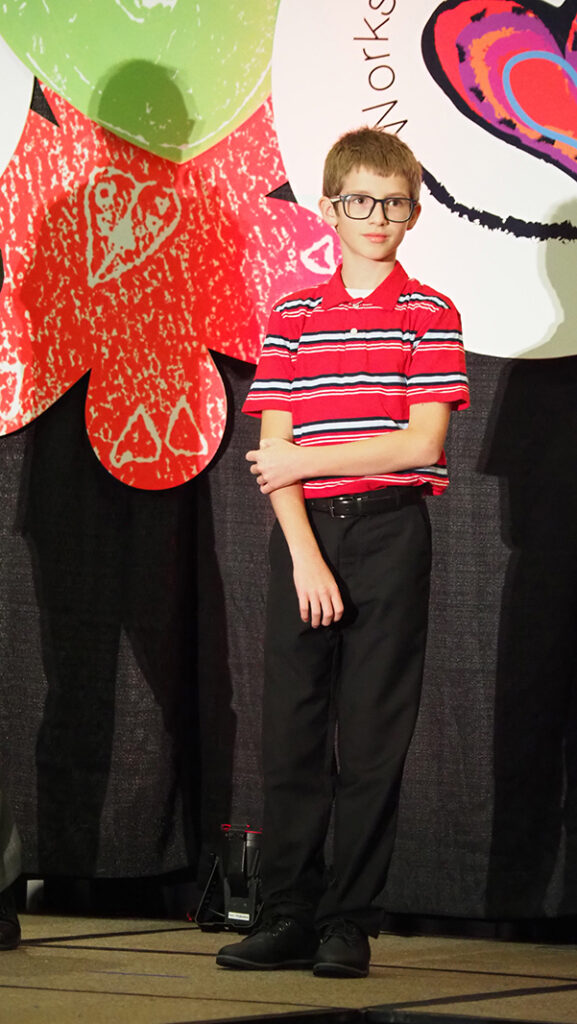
[[319, 597], [276, 463]]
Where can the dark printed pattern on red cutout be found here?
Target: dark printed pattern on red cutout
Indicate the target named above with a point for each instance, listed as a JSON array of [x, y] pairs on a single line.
[[503, 67]]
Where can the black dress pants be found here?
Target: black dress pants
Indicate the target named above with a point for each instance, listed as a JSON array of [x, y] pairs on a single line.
[[358, 680]]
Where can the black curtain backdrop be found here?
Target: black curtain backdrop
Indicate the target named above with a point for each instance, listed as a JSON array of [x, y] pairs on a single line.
[[131, 655]]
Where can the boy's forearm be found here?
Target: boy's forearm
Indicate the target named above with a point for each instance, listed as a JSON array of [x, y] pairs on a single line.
[[289, 508], [386, 453], [317, 593], [420, 444], [288, 502], [319, 599]]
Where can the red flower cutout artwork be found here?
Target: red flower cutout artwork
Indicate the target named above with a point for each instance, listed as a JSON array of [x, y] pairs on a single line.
[[134, 268]]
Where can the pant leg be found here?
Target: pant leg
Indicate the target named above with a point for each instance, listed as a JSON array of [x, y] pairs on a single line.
[[298, 749], [382, 565], [386, 561]]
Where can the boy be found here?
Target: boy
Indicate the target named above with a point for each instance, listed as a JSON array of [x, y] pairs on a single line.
[[355, 385]]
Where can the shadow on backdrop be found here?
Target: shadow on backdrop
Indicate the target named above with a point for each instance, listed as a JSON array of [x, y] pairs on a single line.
[[112, 560], [107, 559], [142, 103], [533, 450]]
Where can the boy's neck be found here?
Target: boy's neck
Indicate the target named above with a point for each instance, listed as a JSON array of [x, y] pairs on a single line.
[[365, 275]]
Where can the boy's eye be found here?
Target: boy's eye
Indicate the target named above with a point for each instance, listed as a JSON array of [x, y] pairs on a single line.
[[361, 201]]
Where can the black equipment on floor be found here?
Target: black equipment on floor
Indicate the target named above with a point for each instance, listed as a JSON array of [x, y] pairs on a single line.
[[232, 898]]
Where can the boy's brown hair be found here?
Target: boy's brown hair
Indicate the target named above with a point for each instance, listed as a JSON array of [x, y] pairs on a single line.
[[378, 151]]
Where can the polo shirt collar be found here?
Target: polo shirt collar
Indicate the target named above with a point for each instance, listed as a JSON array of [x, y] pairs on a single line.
[[385, 294]]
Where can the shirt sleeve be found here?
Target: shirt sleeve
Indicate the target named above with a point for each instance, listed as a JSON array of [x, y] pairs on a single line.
[[438, 371], [272, 384]]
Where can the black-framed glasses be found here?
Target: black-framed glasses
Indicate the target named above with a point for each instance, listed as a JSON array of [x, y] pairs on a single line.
[[358, 206]]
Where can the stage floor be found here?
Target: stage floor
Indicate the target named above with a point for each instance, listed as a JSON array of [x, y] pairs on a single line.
[[158, 972]]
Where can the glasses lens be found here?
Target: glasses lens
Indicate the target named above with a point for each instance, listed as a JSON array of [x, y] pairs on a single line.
[[358, 207], [398, 209]]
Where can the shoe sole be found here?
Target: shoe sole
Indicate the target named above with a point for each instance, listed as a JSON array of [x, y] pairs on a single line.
[[251, 965], [339, 971]]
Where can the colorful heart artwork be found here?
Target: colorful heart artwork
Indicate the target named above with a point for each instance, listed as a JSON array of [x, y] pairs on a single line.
[[504, 67], [484, 92], [171, 76]]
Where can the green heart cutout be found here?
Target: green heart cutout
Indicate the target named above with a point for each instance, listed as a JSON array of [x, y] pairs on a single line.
[[171, 76]]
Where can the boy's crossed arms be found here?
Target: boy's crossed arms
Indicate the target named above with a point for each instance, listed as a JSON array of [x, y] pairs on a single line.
[[278, 462]]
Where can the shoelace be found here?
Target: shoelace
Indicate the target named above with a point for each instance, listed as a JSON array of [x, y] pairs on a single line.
[[346, 930], [269, 923]]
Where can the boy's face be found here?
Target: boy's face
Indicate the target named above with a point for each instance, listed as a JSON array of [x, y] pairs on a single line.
[[375, 239]]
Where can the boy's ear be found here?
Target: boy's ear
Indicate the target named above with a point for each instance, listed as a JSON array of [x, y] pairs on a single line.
[[414, 217], [328, 211]]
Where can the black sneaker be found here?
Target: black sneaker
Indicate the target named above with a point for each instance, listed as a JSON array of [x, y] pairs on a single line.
[[9, 923], [344, 951], [275, 943]]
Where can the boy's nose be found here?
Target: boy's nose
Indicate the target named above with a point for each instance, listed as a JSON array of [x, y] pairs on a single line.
[[378, 214]]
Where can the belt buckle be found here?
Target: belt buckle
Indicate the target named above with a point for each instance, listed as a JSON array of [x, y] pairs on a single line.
[[344, 502]]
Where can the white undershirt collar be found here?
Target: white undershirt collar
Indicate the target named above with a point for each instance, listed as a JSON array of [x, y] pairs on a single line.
[[359, 293]]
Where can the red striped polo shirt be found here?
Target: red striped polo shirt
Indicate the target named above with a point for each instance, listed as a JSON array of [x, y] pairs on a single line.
[[348, 369]]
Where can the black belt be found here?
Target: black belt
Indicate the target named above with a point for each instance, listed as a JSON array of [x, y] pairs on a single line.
[[387, 499]]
